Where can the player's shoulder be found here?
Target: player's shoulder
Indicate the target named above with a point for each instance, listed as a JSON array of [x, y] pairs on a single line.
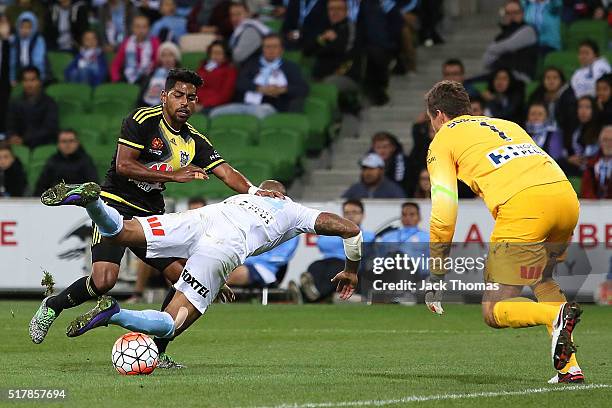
[[144, 115], [196, 135]]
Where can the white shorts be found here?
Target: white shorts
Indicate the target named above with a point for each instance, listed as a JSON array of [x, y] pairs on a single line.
[[209, 262]]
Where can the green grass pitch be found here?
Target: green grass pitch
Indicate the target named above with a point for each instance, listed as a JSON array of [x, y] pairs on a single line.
[[314, 356]]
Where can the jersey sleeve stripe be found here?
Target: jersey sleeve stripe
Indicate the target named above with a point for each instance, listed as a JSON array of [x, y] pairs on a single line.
[[122, 201], [141, 112], [441, 189], [194, 130], [213, 165], [149, 115], [131, 144]]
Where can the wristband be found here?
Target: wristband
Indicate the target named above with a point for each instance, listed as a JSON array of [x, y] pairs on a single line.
[[352, 247], [253, 190]]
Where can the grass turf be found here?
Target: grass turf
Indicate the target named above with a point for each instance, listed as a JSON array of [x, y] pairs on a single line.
[[249, 355]]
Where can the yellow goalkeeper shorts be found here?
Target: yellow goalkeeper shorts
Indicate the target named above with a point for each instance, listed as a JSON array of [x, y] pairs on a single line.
[[532, 228]]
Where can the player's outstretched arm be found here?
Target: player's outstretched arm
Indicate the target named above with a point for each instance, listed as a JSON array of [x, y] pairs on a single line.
[[334, 225], [239, 183], [127, 165]]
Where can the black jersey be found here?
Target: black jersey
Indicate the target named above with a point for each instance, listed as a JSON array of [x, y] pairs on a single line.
[[161, 148]]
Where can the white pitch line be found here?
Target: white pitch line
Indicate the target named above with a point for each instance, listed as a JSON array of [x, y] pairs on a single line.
[[440, 397]]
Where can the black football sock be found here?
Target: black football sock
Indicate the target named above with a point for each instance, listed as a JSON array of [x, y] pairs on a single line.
[[79, 292], [162, 344]]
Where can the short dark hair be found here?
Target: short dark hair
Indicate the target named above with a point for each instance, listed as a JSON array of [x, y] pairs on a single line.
[[454, 61], [68, 130], [557, 70], [606, 78], [383, 135], [197, 200], [239, 4], [6, 146], [224, 47], [182, 75], [477, 99], [355, 202], [448, 97], [411, 204], [591, 44], [538, 103], [29, 68], [272, 35]]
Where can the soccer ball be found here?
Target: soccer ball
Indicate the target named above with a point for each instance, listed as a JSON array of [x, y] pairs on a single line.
[[134, 354]]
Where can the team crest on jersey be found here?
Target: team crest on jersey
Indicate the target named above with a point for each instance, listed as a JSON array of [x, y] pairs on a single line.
[[156, 145], [504, 154], [184, 158]]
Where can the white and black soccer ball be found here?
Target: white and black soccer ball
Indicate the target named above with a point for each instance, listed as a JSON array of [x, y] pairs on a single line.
[[134, 354]]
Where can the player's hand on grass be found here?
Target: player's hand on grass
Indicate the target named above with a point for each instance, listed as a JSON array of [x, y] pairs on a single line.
[[189, 173], [226, 294], [433, 294], [270, 193], [347, 282]]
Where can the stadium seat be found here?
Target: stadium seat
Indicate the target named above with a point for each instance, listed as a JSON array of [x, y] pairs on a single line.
[[58, 61], [200, 122], [122, 94], [274, 25], [247, 123], [226, 139], [195, 42], [255, 171], [576, 182], [327, 92], [17, 91], [192, 60], [187, 190], [23, 153], [84, 122], [608, 55], [320, 118], [293, 121], [288, 141], [530, 89], [567, 61], [70, 98], [596, 30], [480, 87], [293, 56], [102, 156], [90, 139], [40, 154]]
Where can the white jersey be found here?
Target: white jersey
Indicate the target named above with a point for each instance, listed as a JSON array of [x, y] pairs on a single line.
[[251, 225]]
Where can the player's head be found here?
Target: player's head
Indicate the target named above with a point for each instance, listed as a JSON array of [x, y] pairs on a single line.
[[411, 214], [588, 52], [453, 70], [67, 142], [273, 185], [445, 101], [179, 96], [6, 156], [352, 210], [238, 12], [196, 202], [30, 80], [605, 141]]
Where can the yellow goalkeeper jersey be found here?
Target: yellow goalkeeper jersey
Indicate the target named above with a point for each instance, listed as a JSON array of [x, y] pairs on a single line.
[[495, 157]]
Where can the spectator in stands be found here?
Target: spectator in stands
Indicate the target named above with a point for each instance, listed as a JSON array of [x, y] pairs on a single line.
[[304, 21], [28, 47], [89, 65], [210, 16], [583, 9], [247, 39], [516, 46], [592, 67], [542, 132], [315, 283], [13, 180], [477, 105], [332, 47], [68, 20], [454, 70], [373, 183], [148, 8], [115, 19], [597, 177], [5, 68], [431, 14], [504, 96], [170, 27], [168, 57], [219, 75], [603, 90], [423, 189], [379, 27], [584, 139], [391, 151], [32, 119], [406, 60], [559, 98], [21, 6], [70, 164], [545, 16], [268, 85], [137, 54]]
